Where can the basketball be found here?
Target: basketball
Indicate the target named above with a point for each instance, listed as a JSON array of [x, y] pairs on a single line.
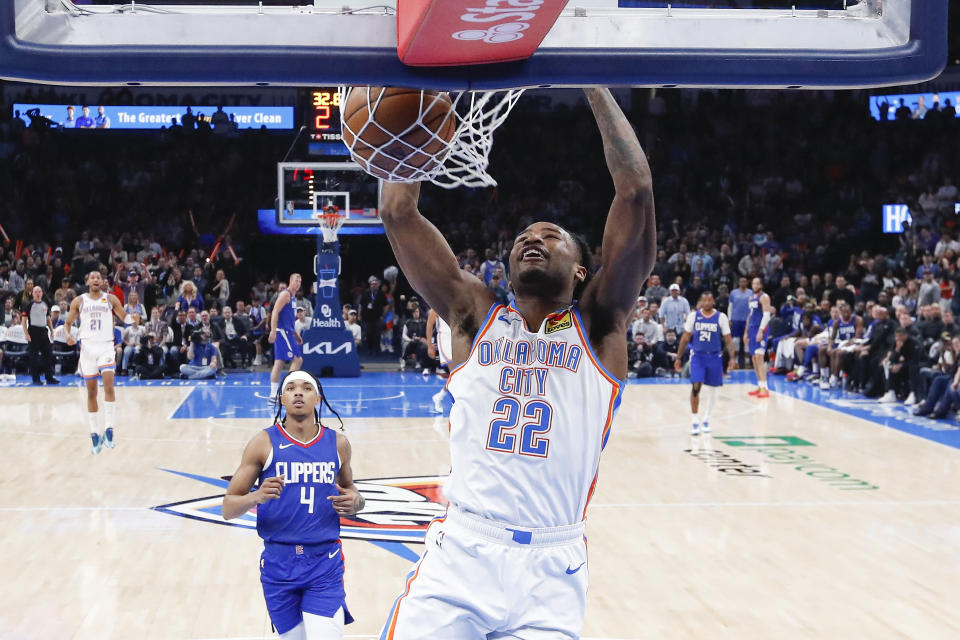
[[396, 133]]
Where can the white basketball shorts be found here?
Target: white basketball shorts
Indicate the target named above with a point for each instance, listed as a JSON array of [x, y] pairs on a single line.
[[96, 357], [479, 579]]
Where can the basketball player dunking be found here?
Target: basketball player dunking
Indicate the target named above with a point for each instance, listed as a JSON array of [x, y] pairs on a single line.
[[535, 393], [96, 310], [305, 487], [283, 336], [757, 320], [709, 329]]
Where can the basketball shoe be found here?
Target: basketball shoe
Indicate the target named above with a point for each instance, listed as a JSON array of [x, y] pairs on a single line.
[[763, 393], [438, 401], [107, 438], [97, 443], [695, 429], [705, 428]]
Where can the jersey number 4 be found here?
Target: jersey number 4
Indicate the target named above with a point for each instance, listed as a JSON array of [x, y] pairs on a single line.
[[502, 436]]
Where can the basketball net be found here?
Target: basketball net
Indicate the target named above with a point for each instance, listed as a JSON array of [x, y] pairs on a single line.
[[330, 222], [461, 162]]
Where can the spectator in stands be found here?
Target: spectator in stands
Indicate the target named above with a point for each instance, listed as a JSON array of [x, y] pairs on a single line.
[[373, 306], [177, 342], [133, 306], [652, 330], [159, 329], [944, 384], [220, 291], [188, 297], [302, 321], [8, 312], [491, 266], [202, 358], [148, 362], [258, 328], [131, 341], [655, 291], [640, 357], [414, 342], [901, 367], [674, 310], [231, 337], [353, 327], [665, 353], [929, 291]]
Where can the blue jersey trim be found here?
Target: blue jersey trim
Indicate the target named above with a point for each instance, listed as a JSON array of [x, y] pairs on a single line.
[[483, 324]]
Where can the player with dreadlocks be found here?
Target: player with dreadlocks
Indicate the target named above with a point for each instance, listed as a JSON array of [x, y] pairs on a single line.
[[305, 487]]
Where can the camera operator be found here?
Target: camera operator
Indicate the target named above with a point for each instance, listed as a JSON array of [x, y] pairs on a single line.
[[148, 360], [202, 357]]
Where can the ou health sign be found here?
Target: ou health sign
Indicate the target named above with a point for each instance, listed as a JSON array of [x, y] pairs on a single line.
[[894, 215]]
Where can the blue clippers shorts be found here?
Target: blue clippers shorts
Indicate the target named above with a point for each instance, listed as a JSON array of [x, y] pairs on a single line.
[[302, 578], [707, 368], [286, 347]]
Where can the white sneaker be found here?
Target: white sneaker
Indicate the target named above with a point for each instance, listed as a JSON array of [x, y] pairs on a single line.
[[911, 400], [888, 397], [438, 401], [705, 428], [824, 384], [695, 430], [426, 371], [834, 382], [801, 371], [403, 364], [257, 361]]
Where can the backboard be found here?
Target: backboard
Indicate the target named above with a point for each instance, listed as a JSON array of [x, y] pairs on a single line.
[[817, 44], [306, 189]]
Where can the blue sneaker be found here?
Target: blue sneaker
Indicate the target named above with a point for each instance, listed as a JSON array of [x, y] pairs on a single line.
[[97, 443], [108, 438]]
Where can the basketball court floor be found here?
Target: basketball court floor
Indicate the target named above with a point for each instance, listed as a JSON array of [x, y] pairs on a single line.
[[808, 515]]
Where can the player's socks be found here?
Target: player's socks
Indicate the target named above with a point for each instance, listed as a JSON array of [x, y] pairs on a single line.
[[109, 412], [709, 400], [97, 443], [108, 438], [274, 387]]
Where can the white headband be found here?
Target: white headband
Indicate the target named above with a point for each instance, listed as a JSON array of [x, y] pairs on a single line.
[[300, 375]]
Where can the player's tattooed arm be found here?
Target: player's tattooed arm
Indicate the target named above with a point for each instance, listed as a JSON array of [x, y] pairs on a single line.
[[348, 501], [426, 258], [630, 236]]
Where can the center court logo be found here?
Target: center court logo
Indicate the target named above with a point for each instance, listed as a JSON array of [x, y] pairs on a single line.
[[396, 510]]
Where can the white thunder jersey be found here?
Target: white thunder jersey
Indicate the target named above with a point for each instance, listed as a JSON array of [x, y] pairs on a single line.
[[96, 318], [532, 412]]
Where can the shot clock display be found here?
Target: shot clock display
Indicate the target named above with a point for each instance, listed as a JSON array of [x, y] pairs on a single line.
[[323, 122]]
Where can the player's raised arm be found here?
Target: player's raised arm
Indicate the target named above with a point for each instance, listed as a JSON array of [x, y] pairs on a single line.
[[427, 260], [630, 237]]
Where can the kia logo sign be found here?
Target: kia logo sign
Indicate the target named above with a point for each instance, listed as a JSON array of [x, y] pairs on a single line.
[[495, 12], [326, 348]]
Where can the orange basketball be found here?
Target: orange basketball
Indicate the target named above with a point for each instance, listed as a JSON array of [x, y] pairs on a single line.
[[393, 132]]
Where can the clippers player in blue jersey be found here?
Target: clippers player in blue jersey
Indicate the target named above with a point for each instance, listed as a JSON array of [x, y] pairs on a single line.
[[845, 330], [536, 385], [757, 320], [284, 336], [705, 330], [305, 487]]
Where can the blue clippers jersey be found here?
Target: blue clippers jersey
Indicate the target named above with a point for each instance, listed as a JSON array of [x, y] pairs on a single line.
[[706, 334], [756, 311], [846, 329], [287, 316], [302, 514]]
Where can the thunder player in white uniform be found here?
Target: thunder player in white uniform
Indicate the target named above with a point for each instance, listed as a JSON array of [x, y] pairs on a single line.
[[96, 309], [535, 393]]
